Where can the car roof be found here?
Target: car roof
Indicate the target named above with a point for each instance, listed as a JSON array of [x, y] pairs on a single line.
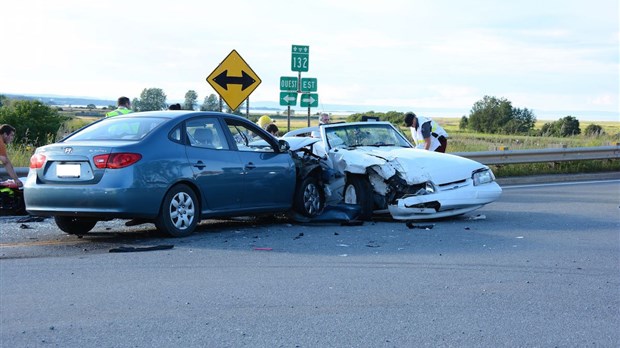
[[177, 113]]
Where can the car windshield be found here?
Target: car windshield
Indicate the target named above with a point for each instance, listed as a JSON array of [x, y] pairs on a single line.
[[121, 128], [353, 135]]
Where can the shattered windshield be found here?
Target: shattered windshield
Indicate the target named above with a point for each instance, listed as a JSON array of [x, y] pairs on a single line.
[[354, 135]]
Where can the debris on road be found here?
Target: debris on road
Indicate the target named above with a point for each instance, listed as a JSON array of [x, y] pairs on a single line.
[[129, 249], [411, 225]]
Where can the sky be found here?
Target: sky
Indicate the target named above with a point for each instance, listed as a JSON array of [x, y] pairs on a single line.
[[554, 57]]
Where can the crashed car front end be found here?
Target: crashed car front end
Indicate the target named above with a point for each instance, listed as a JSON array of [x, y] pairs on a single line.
[[415, 184], [447, 199]]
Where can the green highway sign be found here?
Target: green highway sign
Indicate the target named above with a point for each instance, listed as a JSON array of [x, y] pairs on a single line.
[[288, 98], [308, 84], [288, 83], [310, 100], [300, 56]]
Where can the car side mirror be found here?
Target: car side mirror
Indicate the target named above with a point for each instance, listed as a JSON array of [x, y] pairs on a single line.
[[283, 145]]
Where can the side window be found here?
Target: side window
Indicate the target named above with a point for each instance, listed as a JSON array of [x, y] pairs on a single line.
[[206, 132], [247, 140], [175, 135]]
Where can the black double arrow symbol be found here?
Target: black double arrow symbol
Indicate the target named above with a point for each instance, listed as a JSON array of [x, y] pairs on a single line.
[[224, 80]]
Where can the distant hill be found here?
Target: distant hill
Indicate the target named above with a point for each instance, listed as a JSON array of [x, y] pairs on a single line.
[[63, 100]]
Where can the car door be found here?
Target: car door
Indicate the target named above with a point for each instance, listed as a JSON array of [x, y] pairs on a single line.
[[217, 168], [269, 175]]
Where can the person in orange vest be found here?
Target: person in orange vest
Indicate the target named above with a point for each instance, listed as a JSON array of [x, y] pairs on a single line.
[[124, 107], [426, 133]]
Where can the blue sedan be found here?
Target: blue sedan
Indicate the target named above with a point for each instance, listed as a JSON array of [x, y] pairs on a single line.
[[172, 168]]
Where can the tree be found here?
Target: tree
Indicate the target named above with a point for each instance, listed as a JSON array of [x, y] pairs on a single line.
[[594, 130], [569, 126], [563, 127], [463, 123], [522, 121], [35, 122], [135, 105], [190, 100], [211, 103], [91, 106], [489, 114], [151, 99]]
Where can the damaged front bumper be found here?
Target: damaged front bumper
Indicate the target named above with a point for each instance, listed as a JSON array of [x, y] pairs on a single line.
[[445, 203]]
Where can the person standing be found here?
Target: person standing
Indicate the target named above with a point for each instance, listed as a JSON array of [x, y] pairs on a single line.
[[124, 107], [427, 132], [7, 134]]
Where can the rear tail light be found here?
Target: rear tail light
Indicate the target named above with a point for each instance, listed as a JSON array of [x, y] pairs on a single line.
[[37, 161], [116, 160]]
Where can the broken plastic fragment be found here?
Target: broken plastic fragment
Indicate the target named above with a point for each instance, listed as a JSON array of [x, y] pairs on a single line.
[[125, 249]]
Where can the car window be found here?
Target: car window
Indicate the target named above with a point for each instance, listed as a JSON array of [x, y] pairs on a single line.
[[206, 132], [364, 135], [134, 128], [247, 139]]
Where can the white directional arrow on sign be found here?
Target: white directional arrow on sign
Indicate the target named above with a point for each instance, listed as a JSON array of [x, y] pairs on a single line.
[[309, 100], [288, 98]]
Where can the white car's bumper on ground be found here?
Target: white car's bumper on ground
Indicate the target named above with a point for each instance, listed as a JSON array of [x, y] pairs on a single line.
[[451, 202]]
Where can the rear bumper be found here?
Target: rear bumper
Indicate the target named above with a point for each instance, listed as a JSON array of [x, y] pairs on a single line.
[[104, 204]]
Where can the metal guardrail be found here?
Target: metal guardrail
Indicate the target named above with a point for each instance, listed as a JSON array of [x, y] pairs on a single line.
[[503, 156], [543, 155]]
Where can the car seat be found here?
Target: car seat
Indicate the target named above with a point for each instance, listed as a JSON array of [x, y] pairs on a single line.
[[204, 137]]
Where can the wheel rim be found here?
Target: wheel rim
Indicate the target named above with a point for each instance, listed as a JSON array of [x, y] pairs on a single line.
[[182, 211], [350, 195], [312, 199]]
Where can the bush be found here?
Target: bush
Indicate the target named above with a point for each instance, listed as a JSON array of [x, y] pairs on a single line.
[[594, 130], [564, 127], [35, 122]]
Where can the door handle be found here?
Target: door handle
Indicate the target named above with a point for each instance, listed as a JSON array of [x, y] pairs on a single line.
[[250, 166], [200, 165]]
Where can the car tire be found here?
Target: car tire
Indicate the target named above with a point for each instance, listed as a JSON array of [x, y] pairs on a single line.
[[75, 225], [179, 212], [358, 191], [309, 198]]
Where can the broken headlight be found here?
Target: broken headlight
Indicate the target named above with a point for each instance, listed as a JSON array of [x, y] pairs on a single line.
[[427, 188], [483, 176]]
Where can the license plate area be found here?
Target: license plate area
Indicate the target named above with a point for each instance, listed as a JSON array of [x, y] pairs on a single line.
[[68, 170]]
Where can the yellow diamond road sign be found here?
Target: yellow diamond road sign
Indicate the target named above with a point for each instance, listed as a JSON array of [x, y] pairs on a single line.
[[234, 80]]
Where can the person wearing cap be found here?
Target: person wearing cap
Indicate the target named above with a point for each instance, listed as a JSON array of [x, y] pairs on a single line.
[[324, 118], [123, 108], [426, 133]]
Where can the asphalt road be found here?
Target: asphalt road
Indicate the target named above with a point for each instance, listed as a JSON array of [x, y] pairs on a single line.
[[540, 267]]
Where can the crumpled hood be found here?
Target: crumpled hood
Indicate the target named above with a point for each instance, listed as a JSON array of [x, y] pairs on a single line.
[[297, 143], [414, 165]]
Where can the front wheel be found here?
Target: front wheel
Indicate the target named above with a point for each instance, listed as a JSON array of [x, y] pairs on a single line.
[[179, 212], [358, 191], [75, 225], [309, 198]]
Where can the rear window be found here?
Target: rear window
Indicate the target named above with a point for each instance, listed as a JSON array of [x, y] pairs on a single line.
[[134, 128]]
